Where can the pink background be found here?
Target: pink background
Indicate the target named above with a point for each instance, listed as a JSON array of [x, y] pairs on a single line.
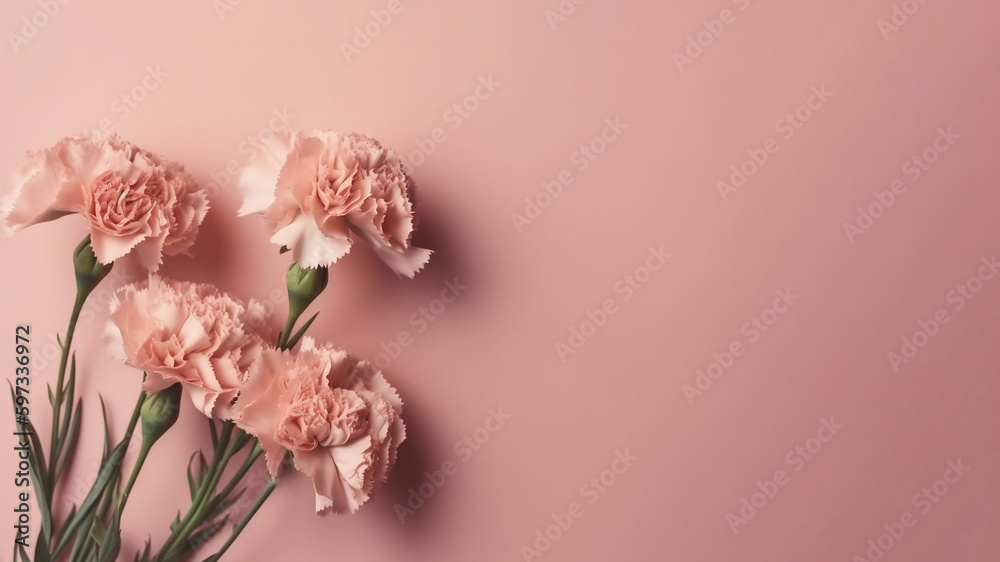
[[496, 345]]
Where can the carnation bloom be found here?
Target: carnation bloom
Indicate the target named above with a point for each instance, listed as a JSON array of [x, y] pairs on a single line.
[[336, 414], [321, 190], [133, 199], [190, 333]]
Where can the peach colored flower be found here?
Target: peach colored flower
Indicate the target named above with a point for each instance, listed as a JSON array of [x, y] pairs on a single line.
[[321, 190], [336, 414], [195, 334], [134, 200]]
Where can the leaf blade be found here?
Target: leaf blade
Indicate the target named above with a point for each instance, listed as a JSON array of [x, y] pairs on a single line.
[[302, 331]]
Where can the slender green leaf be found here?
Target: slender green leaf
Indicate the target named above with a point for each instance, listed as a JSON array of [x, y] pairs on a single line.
[[70, 392], [39, 478], [240, 440], [31, 430], [110, 470], [37, 472], [215, 433], [69, 446], [204, 535], [110, 497], [44, 501], [218, 505], [144, 557], [192, 481], [112, 545], [83, 546], [145, 552], [107, 430], [302, 331], [72, 512], [42, 550], [52, 399], [98, 531]]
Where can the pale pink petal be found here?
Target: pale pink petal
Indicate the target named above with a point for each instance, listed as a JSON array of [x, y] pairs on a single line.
[[203, 400], [128, 195], [258, 179], [149, 253], [189, 213], [114, 341], [338, 474], [354, 464], [318, 465], [32, 195], [108, 248], [156, 382], [406, 262], [274, 454], [310, 247], [228, 374], [340, 183], [189, 329], [193, 334], [337, 416]]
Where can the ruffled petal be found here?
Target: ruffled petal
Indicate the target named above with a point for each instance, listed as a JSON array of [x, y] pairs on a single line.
[[310, 247], [259, 178]]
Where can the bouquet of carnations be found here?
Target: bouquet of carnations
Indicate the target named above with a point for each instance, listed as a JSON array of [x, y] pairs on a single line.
[[285, 397]]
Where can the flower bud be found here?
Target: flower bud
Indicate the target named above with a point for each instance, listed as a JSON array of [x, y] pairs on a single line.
[[159, 412], [304, 285], [89, 270]]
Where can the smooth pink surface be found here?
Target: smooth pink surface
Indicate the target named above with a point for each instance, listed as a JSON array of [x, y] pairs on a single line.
[[495, 347]]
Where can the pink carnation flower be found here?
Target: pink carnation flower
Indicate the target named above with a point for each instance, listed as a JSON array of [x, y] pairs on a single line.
[[134, 200], [321, 190], [190, 333], [336, 414]]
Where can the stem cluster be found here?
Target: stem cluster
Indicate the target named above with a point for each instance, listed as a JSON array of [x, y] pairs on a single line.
[[91, 532]]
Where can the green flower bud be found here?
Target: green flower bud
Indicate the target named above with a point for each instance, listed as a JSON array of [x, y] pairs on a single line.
[[89, 270], [304, 285], [159, 412]]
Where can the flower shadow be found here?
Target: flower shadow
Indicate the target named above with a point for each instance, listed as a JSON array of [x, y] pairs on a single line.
[[400, 499]]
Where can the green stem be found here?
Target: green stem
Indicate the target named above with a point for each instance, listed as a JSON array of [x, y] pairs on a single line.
[[55, 445], [135, 417], [102, 510], [206, 491], [293, 317], [252, 457], [106, 499], [143, 453], [129, 430], [266, 493], [205, 495]]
